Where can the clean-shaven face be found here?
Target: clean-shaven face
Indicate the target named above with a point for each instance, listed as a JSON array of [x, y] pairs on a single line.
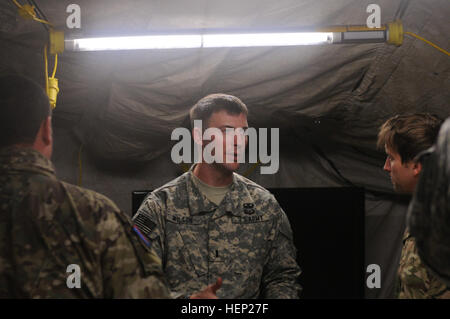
[[232, 140], [403, 177]]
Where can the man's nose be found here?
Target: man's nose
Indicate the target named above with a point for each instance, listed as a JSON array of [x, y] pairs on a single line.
[[387, 165], [240, 139]]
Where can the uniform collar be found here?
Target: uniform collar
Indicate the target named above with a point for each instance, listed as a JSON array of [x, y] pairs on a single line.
[[25, 159], [233, 201]]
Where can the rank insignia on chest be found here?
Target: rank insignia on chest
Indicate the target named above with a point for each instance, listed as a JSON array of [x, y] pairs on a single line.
[[248, 208]]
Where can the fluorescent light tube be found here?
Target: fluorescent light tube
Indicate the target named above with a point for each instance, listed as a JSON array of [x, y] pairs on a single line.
[[391, 33], [135, 43], [198, 41], [265, 39]]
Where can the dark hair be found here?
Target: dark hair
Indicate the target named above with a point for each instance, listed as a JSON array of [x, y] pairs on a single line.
[[23, 107], [409, 134], [212, 103]]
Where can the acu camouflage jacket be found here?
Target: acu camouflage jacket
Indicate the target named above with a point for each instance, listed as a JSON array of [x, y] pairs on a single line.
[[247, 240]]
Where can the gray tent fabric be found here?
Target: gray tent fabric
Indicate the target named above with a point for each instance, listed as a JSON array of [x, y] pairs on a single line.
[[119, 108]]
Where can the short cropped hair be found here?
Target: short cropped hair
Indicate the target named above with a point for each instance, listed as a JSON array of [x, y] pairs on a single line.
[[23, 107], [409, 134], [213, 103]]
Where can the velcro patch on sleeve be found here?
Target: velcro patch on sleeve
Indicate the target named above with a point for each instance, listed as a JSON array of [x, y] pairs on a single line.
[[144, 223], [141, 235]]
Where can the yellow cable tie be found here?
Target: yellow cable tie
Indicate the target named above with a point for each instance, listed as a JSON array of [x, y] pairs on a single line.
[[428, 42]]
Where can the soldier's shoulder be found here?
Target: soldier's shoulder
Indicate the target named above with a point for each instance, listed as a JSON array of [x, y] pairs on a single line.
[[255, 190], [89, 199], [173, 184], [171, 188]]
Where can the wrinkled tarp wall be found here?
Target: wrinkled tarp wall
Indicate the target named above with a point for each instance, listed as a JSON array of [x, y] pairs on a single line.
[[328, 101]]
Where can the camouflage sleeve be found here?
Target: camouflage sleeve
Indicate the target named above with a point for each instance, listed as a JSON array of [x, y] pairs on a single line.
[[415, 280], [130, 268], [90, 231], [281, 272], [150, 222], [149, 219]]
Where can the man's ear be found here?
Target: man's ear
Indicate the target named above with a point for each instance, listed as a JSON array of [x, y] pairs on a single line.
[[197, 135], [417, 168], [47, 137], [44, 140]]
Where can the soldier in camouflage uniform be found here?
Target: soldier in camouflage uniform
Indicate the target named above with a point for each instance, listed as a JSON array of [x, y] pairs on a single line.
[[404, 137], [212, 223], [429, 212], [47, 225]]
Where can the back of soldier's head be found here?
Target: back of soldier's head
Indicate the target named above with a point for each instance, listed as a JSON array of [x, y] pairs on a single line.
[[23, 107], [409, 134]]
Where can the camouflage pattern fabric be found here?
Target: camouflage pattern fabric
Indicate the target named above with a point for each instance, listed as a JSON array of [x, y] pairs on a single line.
[[415, 280], [429, 211], [47, 225], [247, 240]]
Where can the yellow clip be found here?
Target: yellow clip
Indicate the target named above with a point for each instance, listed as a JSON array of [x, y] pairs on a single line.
[[395, 32], [56, 41], [52, 91]]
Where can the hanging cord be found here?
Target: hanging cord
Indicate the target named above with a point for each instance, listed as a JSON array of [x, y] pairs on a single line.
[[51, 83], [55, 66], [427, 42], [46, 66], [46, 69]]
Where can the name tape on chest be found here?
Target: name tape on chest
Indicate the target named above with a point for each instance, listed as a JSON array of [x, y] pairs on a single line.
[[181, 219], [248, 219]]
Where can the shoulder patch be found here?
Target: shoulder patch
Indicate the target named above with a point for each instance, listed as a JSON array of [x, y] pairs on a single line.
[[144, 223], [141, 236]]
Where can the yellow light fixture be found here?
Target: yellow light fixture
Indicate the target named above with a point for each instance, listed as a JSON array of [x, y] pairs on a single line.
[[392, 33]]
